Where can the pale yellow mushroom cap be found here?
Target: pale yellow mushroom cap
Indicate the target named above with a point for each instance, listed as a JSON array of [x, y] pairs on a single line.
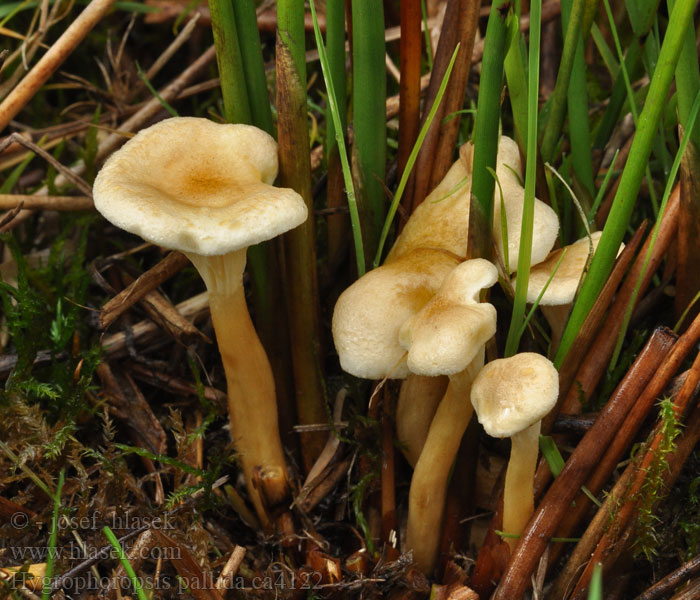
[[545, 225], [368, 315], [442, 219], [197, 186], [448, 332], [510, 394], [562, 288], [509, 172]]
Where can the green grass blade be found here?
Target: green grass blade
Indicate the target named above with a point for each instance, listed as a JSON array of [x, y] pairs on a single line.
[[578, 23], [687, 78], [504, 220], [154, 92], [515, 67], [523, 274], [631, 178], [335, 53], [667, 193], [631, 97], [577, 102], [252, 63], [135, 583], [412, 160], [642, 14], [229, 60], [340, 141], [426, 33], [595, 591], [602, 189], [617, 98], [486, 136], [605, 52], [46, 588], [537, 301], [369, 106]]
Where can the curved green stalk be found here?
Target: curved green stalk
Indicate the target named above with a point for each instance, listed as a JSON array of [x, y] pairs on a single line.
[[631, 178], [515, 67]]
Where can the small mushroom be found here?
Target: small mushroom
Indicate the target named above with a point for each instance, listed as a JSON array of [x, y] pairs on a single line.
[[205, 189], [446, 337], [510, 397], [558, 297]]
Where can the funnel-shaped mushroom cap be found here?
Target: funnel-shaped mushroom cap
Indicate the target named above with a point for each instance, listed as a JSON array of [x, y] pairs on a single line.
[[442, 219], [562, 288], [369, 314], [198, 186], [448, 332], [508, 166], [509, 172], [545, 225], [510, 394]]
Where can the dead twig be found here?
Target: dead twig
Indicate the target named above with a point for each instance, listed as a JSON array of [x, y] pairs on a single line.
[[59, 51], [29, 202], [115, 344], [147, 282], [672, 580], [230, 568], [640, 468], [75, 179]]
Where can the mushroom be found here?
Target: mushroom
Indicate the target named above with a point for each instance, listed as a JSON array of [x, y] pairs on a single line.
[[418, 400], [510, 397], [205, 189], [447, 337], [558, 297], [545, 223], [442, 221], [368, 315]]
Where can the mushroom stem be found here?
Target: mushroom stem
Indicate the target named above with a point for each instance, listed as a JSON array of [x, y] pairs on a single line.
[[518, 497], [251, 389], [418, 401], [556, 316], [426, 500]]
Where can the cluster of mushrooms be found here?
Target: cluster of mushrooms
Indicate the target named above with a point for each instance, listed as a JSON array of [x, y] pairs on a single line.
[[418, 317]]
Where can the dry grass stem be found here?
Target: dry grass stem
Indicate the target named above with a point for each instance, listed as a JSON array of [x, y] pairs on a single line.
[[24, 91]]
